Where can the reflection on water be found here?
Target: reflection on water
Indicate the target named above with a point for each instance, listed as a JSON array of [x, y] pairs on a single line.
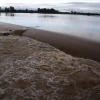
[[9, 14], [76, 25], [47, 16]]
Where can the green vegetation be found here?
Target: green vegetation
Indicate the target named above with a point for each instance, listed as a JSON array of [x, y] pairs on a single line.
[[44, 10]]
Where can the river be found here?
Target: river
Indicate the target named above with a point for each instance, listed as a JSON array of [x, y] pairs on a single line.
[[77, 25]]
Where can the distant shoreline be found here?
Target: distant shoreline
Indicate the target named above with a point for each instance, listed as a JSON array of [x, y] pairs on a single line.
[[45, 11], [86, 14]]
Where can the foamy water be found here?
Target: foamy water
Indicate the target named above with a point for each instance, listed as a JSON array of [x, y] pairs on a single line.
[[32, 70]]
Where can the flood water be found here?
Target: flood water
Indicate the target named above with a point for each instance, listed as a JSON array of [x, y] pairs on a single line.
[[32, 70], [77, 25]]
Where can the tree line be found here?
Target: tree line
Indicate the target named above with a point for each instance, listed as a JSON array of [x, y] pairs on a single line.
[[44, 10], [39, 10]]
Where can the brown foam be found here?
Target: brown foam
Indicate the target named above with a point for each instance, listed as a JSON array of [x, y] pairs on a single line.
[[75, 46]]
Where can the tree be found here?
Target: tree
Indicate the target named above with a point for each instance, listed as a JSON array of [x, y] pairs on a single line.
[[39, 9], [72, 12], [52, 10], [6, 9], [26, 10], [12, 8]]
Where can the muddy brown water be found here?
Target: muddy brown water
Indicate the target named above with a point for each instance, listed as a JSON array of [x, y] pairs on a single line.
[[32, 70], [79, 47]]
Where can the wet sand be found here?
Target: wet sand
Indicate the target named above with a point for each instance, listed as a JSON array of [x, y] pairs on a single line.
[[7, 26], [75, 46]]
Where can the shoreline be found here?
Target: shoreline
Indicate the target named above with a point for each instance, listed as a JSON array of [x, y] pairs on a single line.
[[74, 46], [67, 13], [8, 26]]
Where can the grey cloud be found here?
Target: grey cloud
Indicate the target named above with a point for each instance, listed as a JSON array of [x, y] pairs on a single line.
[[82, 6], [75, 6], [88, 5]]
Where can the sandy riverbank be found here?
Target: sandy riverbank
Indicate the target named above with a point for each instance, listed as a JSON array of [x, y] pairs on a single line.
[[7, 26]]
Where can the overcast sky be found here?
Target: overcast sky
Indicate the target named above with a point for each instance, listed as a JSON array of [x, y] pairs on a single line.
[[45, 1], [62, 5]]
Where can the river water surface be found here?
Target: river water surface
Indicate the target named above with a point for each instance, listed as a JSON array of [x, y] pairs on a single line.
[[77, 25], [32, 70]]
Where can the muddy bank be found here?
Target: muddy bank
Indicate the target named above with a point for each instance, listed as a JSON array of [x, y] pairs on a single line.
[[32, 70], [7, 29], [75, 46]]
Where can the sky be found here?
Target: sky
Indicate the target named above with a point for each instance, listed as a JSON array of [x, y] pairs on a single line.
[[61, 5], [45, 1]]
